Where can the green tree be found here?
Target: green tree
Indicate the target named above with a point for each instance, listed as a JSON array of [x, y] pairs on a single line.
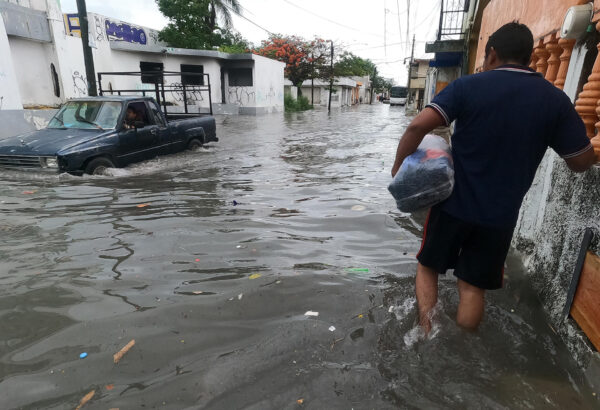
[[234, 43], [194, 24], [351, 65]]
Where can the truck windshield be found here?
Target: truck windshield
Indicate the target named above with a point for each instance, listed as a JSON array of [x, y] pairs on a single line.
[[398, 92], [87, 115]]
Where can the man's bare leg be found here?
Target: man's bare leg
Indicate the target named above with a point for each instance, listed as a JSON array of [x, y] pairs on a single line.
[[471, 305], [427, 294]]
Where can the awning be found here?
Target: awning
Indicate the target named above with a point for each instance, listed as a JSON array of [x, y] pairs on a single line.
[[447, 60]]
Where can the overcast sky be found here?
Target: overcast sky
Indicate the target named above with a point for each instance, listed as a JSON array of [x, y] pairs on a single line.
[[358, 25]]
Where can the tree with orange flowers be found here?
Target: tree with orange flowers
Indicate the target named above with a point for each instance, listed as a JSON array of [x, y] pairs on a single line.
[[304, 59]]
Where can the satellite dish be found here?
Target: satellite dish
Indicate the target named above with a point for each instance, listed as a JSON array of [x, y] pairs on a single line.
[[577, 21]]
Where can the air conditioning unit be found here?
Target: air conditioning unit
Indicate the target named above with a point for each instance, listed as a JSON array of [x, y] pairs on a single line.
[[577, 21]]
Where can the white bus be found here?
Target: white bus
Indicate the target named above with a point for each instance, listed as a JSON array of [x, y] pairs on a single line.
[[398, 95]]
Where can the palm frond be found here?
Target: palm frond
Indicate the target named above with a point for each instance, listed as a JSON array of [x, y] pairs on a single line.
[[224, 9]]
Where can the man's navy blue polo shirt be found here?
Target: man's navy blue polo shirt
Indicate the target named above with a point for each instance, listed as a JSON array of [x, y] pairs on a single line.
[[505, 120]]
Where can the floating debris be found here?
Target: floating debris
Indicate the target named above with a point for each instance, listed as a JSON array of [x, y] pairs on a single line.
[[357, 270], [197, 292], [311, 313], [109, 387], [254, 276], [119, 355], [359, 208], [142, 205], [29, 192], [197, 260], [235, 203], [332, 328], [240, 296], [85, 399], [300, 401], [83, 355]]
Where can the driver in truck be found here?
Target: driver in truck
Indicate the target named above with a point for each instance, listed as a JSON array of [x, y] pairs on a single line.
[[131, 116]]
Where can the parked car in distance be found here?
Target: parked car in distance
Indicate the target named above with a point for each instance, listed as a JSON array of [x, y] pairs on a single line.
[[89, 135]]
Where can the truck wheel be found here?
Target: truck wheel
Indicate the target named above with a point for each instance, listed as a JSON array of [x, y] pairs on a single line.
[[98, 166], [194, 144]]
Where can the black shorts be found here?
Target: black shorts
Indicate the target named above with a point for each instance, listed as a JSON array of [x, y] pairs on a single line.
[[476, 253]]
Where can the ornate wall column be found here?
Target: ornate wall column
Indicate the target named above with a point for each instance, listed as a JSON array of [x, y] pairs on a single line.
[[554, 60], [534, 60], [542, 55], [587, 101], [565, 58]]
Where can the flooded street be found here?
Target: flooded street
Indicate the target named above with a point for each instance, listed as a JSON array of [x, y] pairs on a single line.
[[210, 260]]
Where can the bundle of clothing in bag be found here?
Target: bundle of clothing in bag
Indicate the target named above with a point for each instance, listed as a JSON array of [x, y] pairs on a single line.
[[426, 177]]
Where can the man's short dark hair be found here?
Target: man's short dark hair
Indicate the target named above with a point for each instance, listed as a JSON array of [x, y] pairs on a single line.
[[512, 42]]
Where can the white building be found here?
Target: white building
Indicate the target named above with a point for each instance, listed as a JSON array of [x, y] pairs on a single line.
[[341, 96], [41, 65]]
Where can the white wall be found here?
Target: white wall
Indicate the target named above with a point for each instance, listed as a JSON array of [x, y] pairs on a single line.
[[10, 96], [31, 60], [268, 83]]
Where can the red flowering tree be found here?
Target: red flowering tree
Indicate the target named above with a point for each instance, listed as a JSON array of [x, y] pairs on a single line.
[[303, 59]]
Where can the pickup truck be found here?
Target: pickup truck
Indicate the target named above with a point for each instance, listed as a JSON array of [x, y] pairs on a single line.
[[89, 135]]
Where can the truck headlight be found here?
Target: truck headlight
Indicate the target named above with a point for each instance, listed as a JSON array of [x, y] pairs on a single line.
[[50, 162]]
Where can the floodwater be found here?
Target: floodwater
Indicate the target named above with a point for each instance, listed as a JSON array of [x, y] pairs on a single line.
[[215, 292]]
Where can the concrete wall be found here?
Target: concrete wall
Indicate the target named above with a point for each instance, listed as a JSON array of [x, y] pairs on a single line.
[[555, 212], [268, 81], [10, 96], [541, 16], [32, 61], [291, 90]]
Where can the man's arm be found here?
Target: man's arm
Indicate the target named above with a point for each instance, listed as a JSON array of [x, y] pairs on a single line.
[[583, 161], [428, 120]]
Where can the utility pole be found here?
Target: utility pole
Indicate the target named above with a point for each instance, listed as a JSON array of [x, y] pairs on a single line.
[[331, 78], [312, 81], [88, 58], [412, 55]]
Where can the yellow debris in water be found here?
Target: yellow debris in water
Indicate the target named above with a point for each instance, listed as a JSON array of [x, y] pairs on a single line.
[[85, 399], [255, 276]]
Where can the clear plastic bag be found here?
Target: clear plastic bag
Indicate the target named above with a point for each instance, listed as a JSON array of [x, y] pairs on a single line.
[[426, 177]]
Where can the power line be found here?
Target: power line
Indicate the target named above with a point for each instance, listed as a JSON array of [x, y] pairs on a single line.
[[388, 45], [399, 25], [329, 20], [248, 20]]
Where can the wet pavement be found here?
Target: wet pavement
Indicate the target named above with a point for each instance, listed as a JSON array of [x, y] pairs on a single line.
[[210, 260]]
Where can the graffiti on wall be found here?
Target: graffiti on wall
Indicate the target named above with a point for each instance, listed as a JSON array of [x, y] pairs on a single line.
[[79, 84], [98, 28], [193, 95], [119, 31], [241, 96]]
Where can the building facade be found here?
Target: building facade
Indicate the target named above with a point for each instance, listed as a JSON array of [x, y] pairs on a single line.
[[41, 64], [342, 95]]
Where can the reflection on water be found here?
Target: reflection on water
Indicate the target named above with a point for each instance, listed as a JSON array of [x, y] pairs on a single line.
[[212, 276]]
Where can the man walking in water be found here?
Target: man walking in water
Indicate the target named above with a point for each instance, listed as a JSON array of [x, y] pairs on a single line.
[[506, 118]]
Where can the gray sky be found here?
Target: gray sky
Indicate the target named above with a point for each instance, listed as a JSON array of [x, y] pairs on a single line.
[[356, 24]]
